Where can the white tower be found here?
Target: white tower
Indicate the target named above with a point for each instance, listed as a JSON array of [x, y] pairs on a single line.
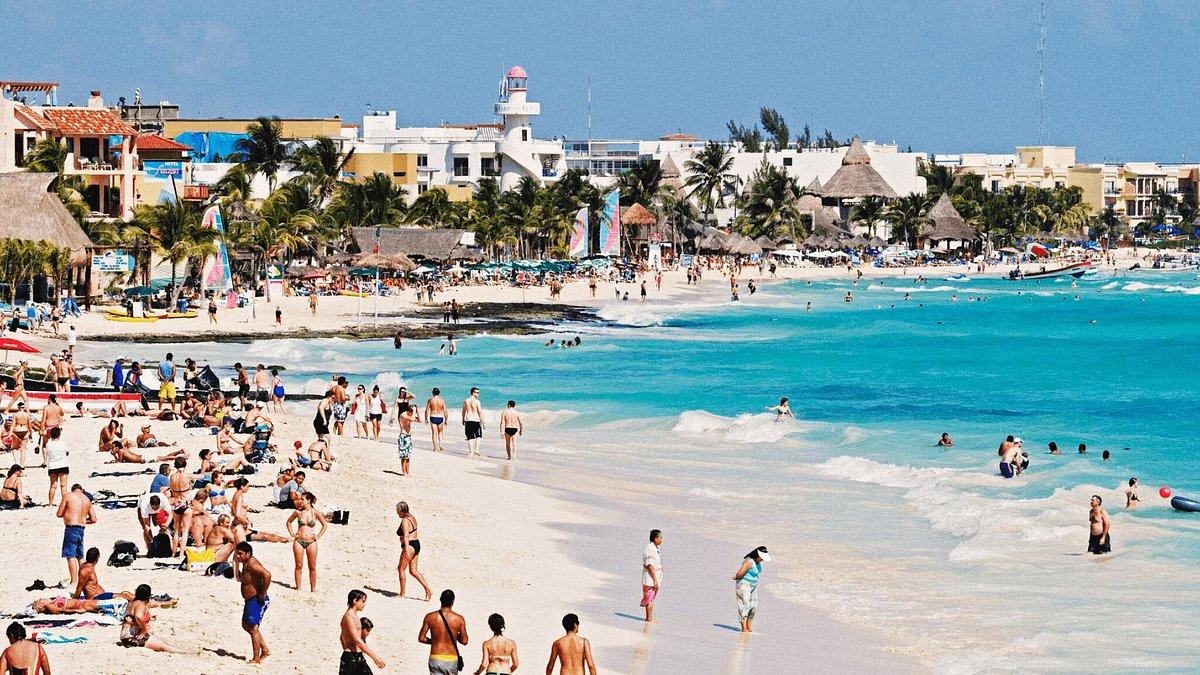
[[516, 148]]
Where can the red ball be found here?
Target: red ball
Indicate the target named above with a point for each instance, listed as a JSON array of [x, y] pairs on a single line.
[[1164, 492]]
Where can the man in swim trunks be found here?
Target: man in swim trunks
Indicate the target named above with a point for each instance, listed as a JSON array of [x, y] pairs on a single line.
[[472, 419], [1099, 541], [262, 384], [340, 404], [404, 440], [243, 383], [1008, 461], [77, 512], [945, 441], [435, 414], [510, 422], [88, 587], [441, 630], [255, 581], [353, 644]]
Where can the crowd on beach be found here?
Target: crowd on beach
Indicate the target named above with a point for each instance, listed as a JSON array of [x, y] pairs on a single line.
[[196, 510]]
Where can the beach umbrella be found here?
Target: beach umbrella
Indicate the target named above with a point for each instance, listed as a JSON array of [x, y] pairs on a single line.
[[139, 291], [12, 345]]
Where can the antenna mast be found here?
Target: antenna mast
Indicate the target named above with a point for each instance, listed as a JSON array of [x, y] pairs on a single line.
[[1042, 74], [589, 120]]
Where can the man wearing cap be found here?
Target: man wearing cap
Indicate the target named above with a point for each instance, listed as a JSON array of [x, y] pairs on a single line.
[[1008, 459], [149, 506]]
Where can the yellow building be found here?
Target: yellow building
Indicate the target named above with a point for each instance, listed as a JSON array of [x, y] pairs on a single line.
[[293, 129]]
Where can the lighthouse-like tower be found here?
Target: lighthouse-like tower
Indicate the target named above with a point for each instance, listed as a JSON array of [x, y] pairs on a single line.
[[516, 148]]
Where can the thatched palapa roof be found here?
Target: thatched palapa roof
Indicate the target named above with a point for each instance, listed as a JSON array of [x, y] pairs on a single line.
[[856, 177], [638, 215], [28, 212], [944, 222], [398, 262], [438, 244]]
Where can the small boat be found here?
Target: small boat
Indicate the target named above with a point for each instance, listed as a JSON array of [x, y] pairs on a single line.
[[131, 319], [122, 314], [179, 315], [1074, 270], [1185, 504], [355, 294], [958, 277], [72, 396]]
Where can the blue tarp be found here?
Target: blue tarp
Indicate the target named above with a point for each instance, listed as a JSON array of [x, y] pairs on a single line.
[[210, 146]]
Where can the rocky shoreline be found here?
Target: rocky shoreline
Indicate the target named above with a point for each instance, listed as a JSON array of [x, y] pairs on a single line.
[[497, 318]]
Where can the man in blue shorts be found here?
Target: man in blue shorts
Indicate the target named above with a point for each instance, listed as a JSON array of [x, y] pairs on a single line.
[[255, 581], [76, 511]]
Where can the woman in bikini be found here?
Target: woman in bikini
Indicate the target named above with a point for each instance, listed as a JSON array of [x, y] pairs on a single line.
[[226, 443], [18, 393], [499, 652], [305, 535], [410, 549], [22, 427], [23, 656], [12, 494], [135, 626], [217, 489]]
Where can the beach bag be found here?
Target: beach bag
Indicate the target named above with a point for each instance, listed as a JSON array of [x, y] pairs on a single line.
[[221, 569], [160, 546], [123, 555], [198, 560]]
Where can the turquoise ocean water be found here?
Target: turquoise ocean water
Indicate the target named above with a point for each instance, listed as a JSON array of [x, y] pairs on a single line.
[[874, 524]]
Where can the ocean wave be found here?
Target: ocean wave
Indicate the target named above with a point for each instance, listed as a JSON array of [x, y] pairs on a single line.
[[923, 289], [541, 419], [627, 314], [388, 382], [313, 385], [745, 428]]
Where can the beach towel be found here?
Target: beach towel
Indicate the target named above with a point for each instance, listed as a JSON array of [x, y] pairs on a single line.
[[56, 638], [114, 607]]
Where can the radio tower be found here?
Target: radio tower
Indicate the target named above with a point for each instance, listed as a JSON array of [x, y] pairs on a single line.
[[1042, 75]]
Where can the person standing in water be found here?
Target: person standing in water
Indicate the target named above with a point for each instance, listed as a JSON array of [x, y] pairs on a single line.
[[1099, 541], [652, 571], [472, 419], [435, 414], [747, 586], [782, 411], [510, 422], [1131, 495]]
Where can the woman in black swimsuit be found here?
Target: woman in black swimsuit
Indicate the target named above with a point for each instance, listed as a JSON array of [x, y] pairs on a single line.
[[324, 412], [11, 496], [410, 549]]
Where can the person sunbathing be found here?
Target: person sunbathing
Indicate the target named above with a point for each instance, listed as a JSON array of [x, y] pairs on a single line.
[[12, 494], [229, 465], [89, 588], [221, 539], [122, 452], [227, 443], [147, 439], [61, 605], [243, 528]]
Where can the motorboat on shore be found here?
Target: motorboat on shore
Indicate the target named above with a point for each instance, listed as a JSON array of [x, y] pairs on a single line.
[[1073, 270]]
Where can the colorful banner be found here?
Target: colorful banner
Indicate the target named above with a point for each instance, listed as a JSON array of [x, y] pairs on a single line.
[[215, 275], [579, 236], [610, 225]]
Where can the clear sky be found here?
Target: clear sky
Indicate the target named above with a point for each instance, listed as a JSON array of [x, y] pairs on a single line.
[[940, 75]]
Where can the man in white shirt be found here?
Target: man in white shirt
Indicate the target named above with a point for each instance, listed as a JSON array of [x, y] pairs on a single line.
[[652, 571], [56, 463], [149, 506]]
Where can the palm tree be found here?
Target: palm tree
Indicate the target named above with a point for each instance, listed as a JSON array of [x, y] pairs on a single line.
[[1108, 225], [708, 171], [431, 208], [263, 150], [234, 186], [907, 215], [678, 213], [321, 165], [50, 156], [869, 213], [173, 230], [483, 217], [642, 184], [517, 211], [374, 201], [770, 208], [938, 179]]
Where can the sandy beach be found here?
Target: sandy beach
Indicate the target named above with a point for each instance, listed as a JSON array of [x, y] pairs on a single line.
[[507, 537]]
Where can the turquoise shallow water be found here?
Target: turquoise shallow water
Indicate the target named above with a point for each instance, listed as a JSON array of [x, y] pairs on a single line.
[[875, 524]]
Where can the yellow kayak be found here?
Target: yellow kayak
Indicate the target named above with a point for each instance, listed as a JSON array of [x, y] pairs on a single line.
[[130, 319], [178, 315], [354, 294]]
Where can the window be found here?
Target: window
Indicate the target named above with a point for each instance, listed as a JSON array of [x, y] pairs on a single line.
[[524, 134], [422, 189], [422, 161], [462, 166], [787, 161], [995, 186], [488, 166], [397, 174]]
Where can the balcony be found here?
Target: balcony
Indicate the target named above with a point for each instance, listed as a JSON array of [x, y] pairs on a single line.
[[549, 173]]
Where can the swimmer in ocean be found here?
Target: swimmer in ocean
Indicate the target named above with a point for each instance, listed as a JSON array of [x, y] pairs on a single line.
[[945, 441], [782, 410]]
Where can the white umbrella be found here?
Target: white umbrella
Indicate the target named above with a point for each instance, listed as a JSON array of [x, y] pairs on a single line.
[[787, 253]]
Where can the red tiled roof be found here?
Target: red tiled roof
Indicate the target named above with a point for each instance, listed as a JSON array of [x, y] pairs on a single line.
[[155, 142], [31, 117], [88, 121]]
